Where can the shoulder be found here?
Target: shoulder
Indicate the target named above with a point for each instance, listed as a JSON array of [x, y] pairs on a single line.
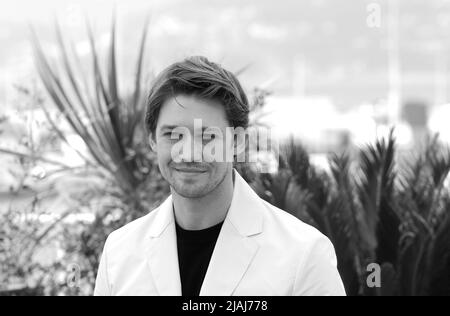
[[290, 227], [131, 234], [297, 237], [313, 254]]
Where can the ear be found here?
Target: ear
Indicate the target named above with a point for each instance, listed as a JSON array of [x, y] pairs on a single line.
[[152, 142]]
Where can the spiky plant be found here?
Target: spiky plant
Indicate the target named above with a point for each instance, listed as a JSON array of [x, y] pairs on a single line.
[[96, 108], [374, 211], [424, 250]]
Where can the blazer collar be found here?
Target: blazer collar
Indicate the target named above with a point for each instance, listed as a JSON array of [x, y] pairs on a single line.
[[244, 212], [245, 209], [233, 253]]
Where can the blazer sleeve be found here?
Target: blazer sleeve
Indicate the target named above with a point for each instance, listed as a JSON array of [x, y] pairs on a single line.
[[102, 286], [318, 275]]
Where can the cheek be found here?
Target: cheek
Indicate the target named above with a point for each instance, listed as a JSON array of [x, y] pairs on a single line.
[[164, 153]]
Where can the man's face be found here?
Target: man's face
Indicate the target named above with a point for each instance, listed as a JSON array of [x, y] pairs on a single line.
[[180, 144]]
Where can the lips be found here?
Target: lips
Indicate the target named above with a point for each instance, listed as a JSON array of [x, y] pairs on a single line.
[[190, 170]]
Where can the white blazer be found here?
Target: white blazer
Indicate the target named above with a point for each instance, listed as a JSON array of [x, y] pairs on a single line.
[[261, 251]]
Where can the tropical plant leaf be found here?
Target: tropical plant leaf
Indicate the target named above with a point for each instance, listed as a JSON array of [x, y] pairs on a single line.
[[96, 109]]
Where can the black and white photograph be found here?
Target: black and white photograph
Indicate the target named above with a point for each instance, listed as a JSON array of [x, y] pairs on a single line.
[[236, 150]]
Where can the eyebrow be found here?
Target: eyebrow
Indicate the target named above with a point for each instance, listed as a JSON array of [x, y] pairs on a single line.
[[170, 127], [164, 127]]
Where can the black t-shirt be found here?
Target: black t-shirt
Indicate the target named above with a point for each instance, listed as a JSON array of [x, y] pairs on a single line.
[[195, 248]]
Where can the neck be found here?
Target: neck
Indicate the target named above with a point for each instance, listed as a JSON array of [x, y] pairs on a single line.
[[207, 211]]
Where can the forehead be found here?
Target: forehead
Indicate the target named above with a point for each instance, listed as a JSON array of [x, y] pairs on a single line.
[[182, 110]]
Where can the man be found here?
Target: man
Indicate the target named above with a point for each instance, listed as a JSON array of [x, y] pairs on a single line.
[[213, 235]]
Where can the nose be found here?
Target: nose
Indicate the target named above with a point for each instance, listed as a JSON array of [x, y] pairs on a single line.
[[191, 150]]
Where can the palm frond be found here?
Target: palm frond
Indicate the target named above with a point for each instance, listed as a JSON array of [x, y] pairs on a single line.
[[375, 191], [96, 109]]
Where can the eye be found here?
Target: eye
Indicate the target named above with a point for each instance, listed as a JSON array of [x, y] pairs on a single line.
[[209, 137], [173, 135]]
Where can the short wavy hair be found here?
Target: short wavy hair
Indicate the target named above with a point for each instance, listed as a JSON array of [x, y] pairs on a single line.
[[202, 78]]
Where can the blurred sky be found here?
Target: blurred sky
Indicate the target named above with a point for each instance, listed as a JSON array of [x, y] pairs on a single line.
[[319, 57], [312, 47], [330, 72], [333, 77]]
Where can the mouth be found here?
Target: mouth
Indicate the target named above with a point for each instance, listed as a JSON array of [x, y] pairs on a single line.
[[190, 170]]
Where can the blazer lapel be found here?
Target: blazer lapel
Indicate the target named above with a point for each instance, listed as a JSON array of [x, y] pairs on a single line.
[[235, 248], [162, 252], [231, 257]]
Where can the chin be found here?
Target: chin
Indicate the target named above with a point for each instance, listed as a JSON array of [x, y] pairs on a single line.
[[190, 188], [191, 192]]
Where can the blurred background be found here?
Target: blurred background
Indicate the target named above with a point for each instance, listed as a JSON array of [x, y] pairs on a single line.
[[355, 91]]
